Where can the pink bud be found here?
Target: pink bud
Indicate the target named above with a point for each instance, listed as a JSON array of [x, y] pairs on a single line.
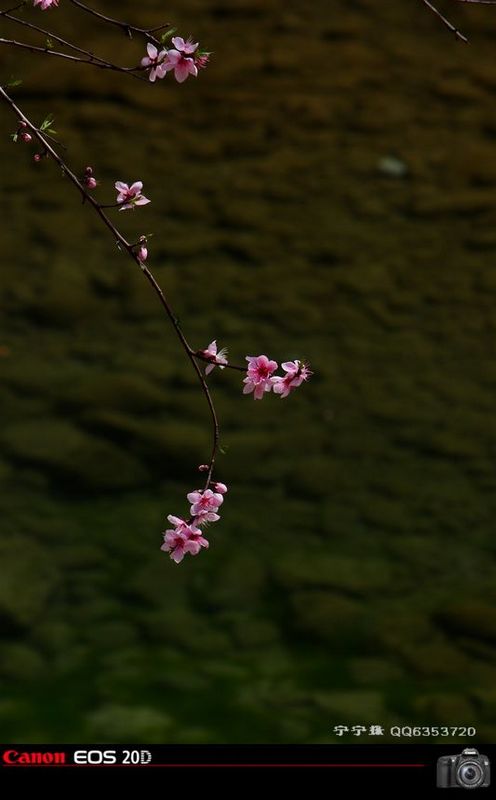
[[37, 157], [202, 60], [90, 183], [143, 253], [23, 124], [221, 488], [25, 137], [88, 171], [203, 468]]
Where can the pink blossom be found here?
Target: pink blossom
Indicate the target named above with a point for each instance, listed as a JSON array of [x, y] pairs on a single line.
[[44, 4], [221, 488], [296, 373], [187, 46], [258, 379], [217, 358], [130, 196], [181, 64], [208, 501], [206, 516], [175, 543], [182, 539], [154, 59], [196, 541]]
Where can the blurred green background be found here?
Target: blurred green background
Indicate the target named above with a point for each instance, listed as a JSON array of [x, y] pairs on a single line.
[[324, 190]]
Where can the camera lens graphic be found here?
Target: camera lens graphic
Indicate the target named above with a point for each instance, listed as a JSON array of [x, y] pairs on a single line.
[[469, 774]]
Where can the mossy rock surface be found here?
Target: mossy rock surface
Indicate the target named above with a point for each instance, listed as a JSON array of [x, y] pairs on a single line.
[[323, 569], [345, 218]]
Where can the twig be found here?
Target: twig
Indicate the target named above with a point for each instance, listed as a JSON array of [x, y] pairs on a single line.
[[446, 22], [25, 24], [449, 24], [130, 249], [124, 26], [100, 64]]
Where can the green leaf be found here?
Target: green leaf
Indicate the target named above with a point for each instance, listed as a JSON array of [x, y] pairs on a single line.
[[168, 35], [47, 123], [14, 82], [14, 137], [49, 44]]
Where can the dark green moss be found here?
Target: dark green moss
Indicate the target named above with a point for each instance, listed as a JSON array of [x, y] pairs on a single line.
[[352, 575]]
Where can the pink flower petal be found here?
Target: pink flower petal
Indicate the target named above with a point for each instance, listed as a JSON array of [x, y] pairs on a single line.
[[193, 497], [181, 71], [177, 555], [290, 366], [175, 520], [161, 70], [192, 547], [173, 56], [178, 42]]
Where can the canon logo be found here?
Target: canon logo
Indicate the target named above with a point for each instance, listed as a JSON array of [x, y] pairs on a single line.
[[13, 757]]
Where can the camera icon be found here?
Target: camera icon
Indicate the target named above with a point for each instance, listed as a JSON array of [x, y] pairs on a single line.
[[469, 770]]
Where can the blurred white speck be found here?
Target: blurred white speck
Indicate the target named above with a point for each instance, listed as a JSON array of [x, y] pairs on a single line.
[[392, 167]]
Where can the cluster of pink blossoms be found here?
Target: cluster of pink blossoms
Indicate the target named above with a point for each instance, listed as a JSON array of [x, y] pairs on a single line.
[[186, 536], [260, 378], [184, 59], [45, 4]]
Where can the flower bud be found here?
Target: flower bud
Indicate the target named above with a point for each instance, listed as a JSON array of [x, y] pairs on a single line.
[[90, 183], [203, 468], [25, 137], [143, 253], [37, 157]]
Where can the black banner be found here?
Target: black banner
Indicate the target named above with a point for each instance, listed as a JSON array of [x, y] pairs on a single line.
[[415, 766]]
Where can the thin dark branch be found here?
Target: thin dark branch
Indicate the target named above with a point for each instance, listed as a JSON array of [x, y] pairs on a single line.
[[130, 249], [124, 26], [50, 35], [445, 21], [132, 71], [208, 360]]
